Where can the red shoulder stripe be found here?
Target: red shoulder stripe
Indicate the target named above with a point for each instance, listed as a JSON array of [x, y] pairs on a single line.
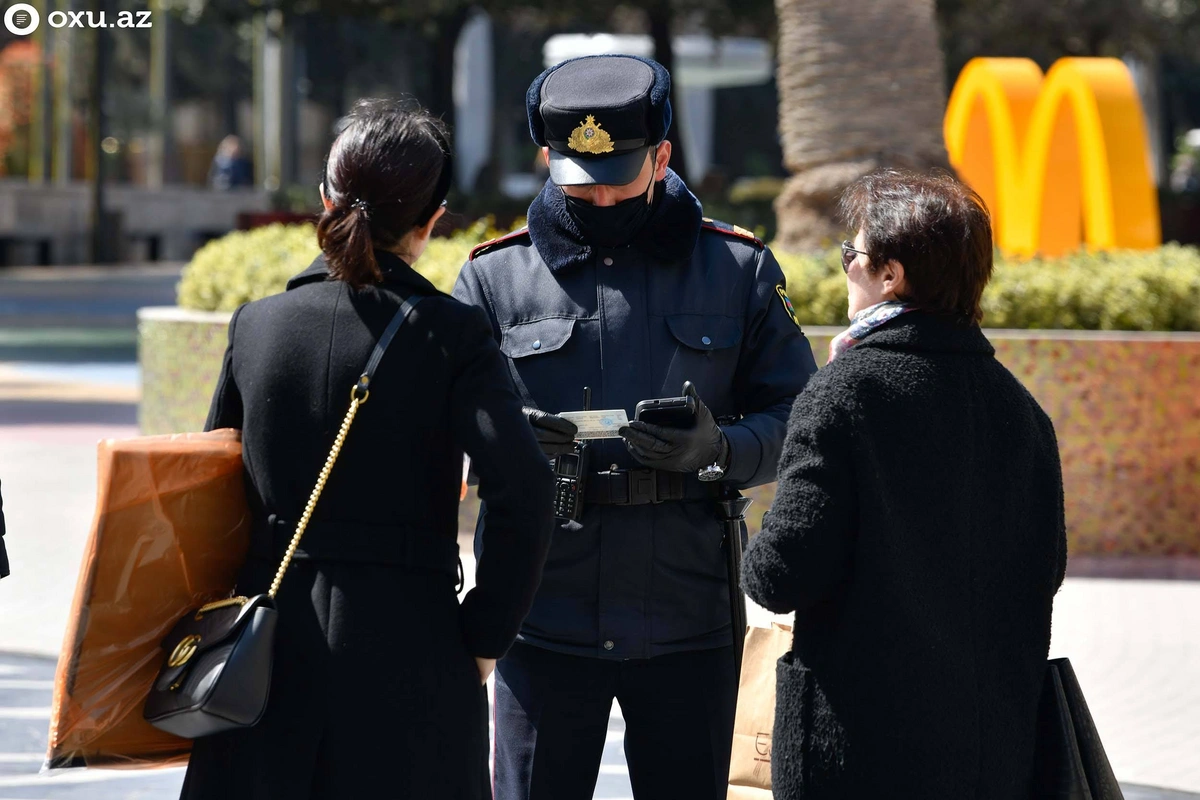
[[481, 247]]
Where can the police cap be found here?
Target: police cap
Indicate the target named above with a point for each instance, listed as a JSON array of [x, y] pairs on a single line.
[[599, 115]]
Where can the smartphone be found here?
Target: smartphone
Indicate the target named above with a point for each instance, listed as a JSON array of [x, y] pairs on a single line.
[[669, 412]]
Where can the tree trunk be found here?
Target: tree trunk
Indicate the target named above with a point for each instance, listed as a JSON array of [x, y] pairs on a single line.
[[441, 98], [861, 86], [659, 14]]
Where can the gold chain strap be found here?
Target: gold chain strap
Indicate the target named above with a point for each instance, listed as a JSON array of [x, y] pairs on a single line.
[[355, 402]]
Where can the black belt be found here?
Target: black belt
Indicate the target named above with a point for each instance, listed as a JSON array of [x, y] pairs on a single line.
[[356, 542], [639, 487]]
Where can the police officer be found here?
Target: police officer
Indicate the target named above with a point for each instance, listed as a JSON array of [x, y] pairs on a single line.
[[620, 284]]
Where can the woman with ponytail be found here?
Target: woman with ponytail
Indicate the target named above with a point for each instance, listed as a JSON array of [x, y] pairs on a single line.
[[377, 685]]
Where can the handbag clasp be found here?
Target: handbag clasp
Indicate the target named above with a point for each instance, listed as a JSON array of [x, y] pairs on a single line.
[[184, 651]]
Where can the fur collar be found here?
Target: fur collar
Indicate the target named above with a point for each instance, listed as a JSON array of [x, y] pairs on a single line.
[[670, 234], [922, 331]]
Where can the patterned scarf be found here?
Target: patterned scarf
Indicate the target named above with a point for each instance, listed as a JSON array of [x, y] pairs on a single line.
[[864, 322]]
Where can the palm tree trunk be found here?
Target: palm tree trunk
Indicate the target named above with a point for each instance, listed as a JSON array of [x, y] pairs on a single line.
[[861, 86], [441, 95], [660, 14]]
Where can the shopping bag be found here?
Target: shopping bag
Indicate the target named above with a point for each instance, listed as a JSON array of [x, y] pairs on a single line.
[[170, 533], [750, 760]]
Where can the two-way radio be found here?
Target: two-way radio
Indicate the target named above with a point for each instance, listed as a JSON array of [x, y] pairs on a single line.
[[570, 475]]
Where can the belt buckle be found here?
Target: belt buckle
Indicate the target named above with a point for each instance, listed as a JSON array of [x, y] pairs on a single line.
[[643, 487]]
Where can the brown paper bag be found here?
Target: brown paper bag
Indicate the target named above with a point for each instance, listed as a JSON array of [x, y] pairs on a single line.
[[170, 533], [750, 761]]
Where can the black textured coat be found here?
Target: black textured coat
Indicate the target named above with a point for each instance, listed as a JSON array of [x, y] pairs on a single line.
[[918, 534], [374, 692]]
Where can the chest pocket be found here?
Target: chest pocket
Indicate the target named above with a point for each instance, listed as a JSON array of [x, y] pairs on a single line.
[[703, 349], [705, 332], [548, 362], [536, 338]]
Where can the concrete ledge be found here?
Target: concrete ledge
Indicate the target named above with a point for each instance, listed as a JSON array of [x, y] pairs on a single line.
[[180, 351], [177, 314], [1173, 568], [176, 217], [1025, 334]]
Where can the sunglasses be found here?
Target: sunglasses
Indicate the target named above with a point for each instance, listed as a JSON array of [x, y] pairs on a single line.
[[849, 254]]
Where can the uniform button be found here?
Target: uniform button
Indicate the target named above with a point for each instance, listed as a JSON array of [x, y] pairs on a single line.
[[608, 262], [609, 645], [706, 340], [537, 345]]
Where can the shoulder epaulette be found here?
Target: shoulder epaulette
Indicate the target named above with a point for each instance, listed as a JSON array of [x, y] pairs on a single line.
[[486, 246], [731, 230]]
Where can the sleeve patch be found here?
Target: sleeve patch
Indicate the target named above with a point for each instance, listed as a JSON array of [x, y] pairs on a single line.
[[787, 304]]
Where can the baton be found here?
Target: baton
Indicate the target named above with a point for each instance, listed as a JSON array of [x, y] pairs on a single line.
[[732, 510]]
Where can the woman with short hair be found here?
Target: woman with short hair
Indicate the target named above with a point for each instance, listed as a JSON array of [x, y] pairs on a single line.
[[917, 531], [377, 685]]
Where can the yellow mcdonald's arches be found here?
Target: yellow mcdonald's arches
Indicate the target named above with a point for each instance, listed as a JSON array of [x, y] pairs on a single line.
[[1061, 160]]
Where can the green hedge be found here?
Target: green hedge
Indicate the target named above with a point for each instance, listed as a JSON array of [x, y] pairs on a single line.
[[1156, 290], [1124, 290], [247, 265]]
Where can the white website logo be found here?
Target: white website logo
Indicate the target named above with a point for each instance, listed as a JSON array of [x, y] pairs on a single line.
[[21, 19], [88, 19]]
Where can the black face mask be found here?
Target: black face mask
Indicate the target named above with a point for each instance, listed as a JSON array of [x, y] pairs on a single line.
[[611, 226]]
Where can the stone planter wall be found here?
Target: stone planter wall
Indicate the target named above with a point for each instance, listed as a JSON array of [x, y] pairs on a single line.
[[180, 352], [1126, 407]]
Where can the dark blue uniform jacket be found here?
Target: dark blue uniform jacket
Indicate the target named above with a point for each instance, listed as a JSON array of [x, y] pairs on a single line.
[[687, 300]]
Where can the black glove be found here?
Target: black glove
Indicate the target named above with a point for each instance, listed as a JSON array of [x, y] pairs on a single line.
[[678, 449], [555, 434]]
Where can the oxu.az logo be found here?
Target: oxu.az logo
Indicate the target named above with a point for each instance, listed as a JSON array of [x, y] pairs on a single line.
[[22, 19]]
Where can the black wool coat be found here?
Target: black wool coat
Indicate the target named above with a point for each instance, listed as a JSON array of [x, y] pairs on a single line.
[[918, 534], [374, 691]]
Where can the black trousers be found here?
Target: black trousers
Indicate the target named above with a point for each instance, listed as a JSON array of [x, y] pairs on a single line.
[[552, 715]]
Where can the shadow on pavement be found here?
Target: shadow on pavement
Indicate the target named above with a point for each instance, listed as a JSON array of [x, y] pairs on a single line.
[[1135, 792], [70, 354], [36, 412]]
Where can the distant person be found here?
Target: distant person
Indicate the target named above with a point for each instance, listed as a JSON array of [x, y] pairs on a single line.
[[230, 167], [377, 689], [1185, 176], [3, 553], [917, 530]]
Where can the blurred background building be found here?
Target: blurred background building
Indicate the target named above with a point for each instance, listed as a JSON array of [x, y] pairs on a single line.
[[146, 109]]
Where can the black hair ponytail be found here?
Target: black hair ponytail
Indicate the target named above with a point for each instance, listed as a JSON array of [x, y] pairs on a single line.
[[388, 172]]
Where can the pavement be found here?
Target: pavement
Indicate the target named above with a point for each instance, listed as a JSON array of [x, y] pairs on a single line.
[[68, 378]]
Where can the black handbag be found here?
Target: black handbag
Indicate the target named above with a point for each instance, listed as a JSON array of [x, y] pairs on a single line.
[[1070, 760], [217, 671]]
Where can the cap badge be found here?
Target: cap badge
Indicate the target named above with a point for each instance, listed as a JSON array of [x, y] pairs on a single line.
[[589, 137]]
